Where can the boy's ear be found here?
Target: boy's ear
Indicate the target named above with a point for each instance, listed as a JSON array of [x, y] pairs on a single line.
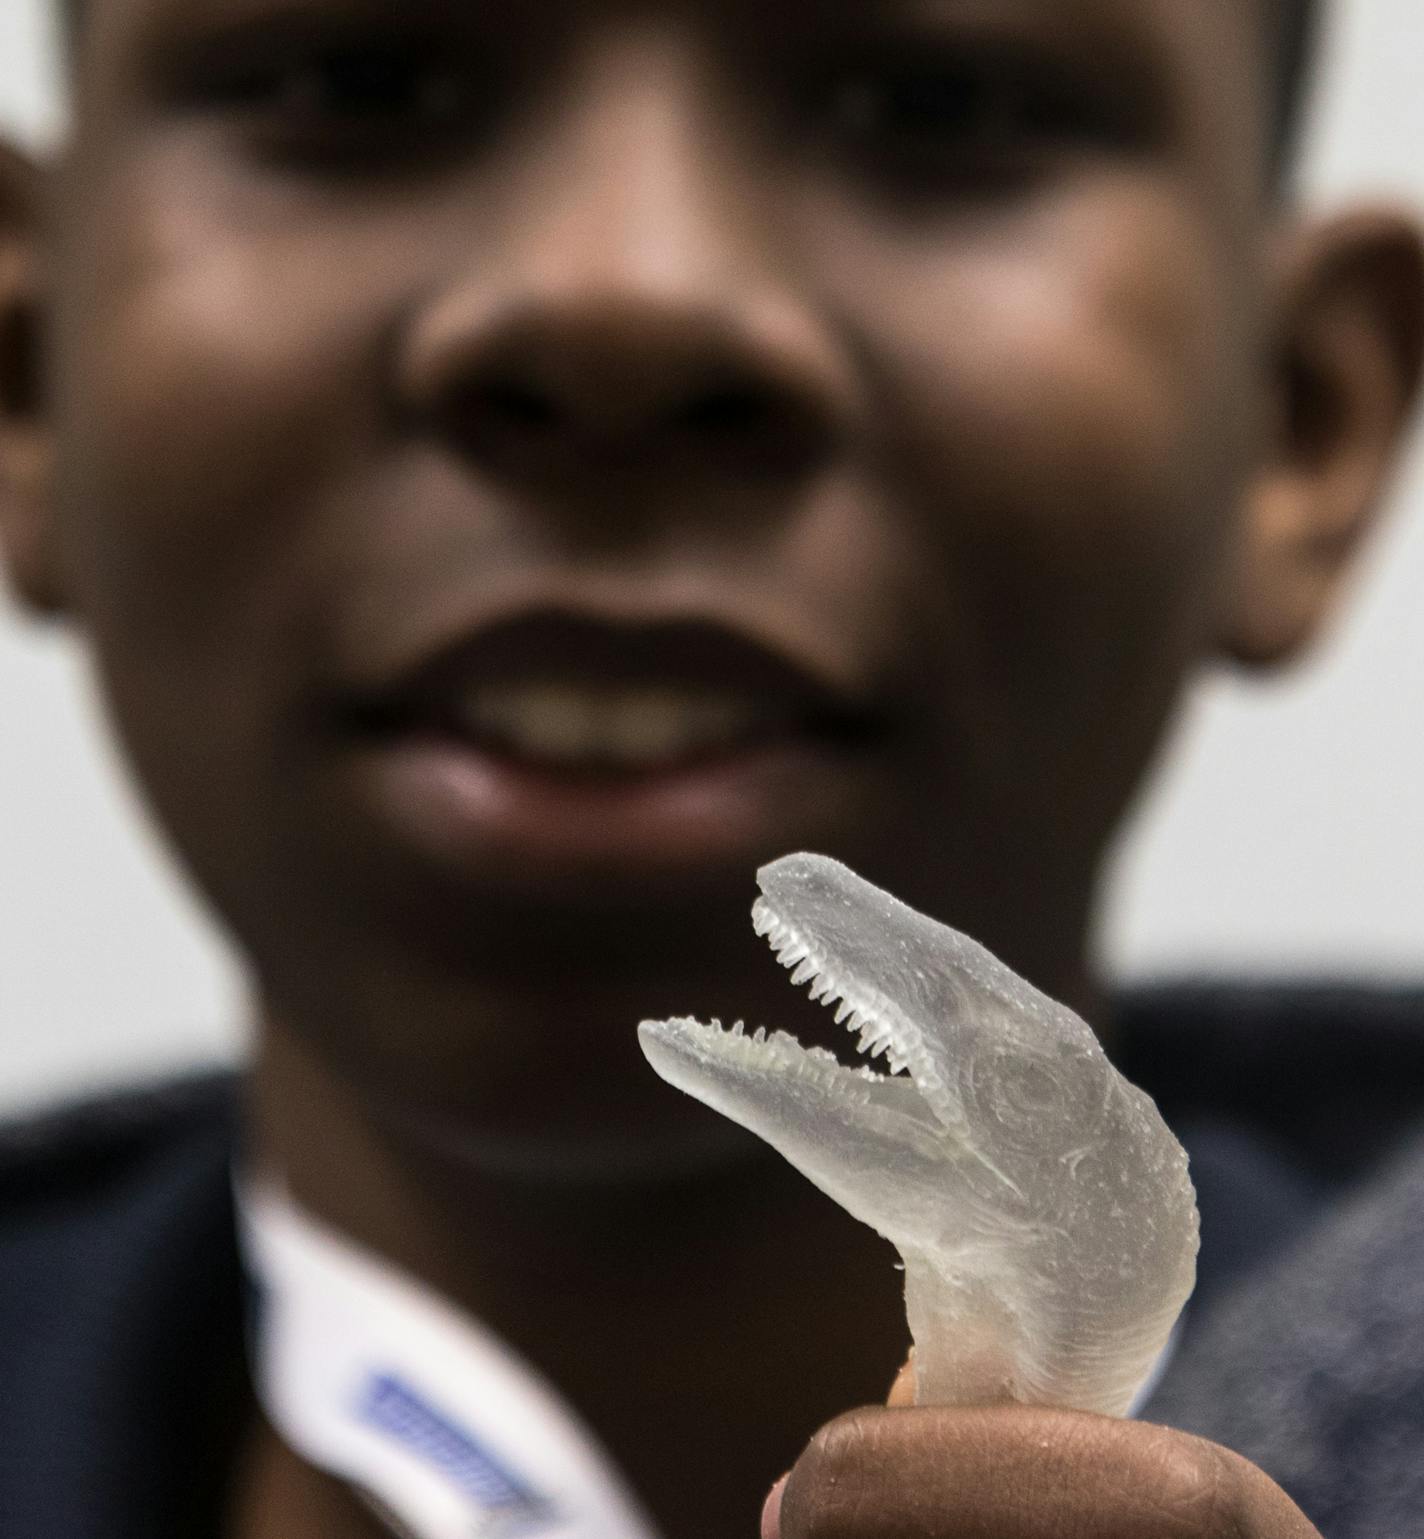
[[1350, 344], [26, 522]]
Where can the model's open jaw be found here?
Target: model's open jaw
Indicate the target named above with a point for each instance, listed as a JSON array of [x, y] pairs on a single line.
[[897, 1091]]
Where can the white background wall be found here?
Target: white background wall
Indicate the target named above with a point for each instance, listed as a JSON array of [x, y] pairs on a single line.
[[1287, 834]]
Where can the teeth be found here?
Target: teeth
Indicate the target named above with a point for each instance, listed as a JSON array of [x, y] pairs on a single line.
[[548, 722], [873, 1036], [597, 725], [649, 726]]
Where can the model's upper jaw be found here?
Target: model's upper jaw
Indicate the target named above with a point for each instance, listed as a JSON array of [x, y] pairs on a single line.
[[851, 944]]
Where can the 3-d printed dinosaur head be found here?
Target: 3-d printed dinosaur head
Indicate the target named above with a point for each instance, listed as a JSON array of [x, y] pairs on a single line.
[[969, 1050], [1000, 1152]]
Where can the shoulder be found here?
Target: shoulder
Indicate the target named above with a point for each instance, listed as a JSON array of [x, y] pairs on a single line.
[[1302, 1106], [1312, 1367], [83, 1152], [84, 1185], [1332, 1072], [120, 1312], [81, 1185]]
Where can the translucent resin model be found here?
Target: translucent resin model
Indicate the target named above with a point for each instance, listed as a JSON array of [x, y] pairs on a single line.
[[1042, 1207]]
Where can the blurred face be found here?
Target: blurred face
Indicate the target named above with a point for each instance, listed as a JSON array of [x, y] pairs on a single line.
[[524, 465]]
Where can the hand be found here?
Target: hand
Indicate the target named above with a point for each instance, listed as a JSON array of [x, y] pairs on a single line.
[[1017, 1472]]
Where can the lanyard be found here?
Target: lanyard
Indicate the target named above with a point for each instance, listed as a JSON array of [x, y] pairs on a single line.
[[433, 1420]]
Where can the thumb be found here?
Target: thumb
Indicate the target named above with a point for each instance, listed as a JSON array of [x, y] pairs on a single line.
[[902, 1393], [771, 1512]]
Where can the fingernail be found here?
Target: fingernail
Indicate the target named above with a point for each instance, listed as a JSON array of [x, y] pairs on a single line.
[[771, 1511]]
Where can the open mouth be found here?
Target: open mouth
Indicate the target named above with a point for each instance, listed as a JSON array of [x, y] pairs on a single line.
[[587, 728], [856, 1007], [575, 698], [606, 728], [544, 754], [897, 1084]]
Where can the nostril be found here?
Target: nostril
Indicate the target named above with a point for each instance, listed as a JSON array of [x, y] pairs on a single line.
[[546, 396], [726, 413], [753, 427]]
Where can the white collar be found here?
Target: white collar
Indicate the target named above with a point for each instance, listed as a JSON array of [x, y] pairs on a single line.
[[430, 1417]]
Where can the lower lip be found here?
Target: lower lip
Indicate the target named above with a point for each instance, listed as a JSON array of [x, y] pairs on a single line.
[[511, 821]]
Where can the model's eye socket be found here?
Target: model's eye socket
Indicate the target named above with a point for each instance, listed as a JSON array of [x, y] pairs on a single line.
[[970, 117]]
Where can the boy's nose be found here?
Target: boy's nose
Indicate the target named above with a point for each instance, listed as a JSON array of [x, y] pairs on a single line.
[[629, 300], [545, 385]]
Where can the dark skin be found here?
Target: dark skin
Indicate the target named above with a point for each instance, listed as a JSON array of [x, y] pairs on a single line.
[[587, 333]]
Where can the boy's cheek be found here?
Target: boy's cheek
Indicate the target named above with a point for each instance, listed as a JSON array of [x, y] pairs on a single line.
[[201, 383], [217, 359], [1088, 342], [201, 394], [1070, 421], [1079, 415]]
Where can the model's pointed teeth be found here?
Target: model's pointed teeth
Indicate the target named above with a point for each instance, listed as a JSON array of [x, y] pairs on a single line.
[[874, 1040], [607, 725], [874, 1037], [769, 1052], [765, 1053]]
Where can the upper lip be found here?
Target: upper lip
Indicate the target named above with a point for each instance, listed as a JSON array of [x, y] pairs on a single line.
[[574, 649]]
